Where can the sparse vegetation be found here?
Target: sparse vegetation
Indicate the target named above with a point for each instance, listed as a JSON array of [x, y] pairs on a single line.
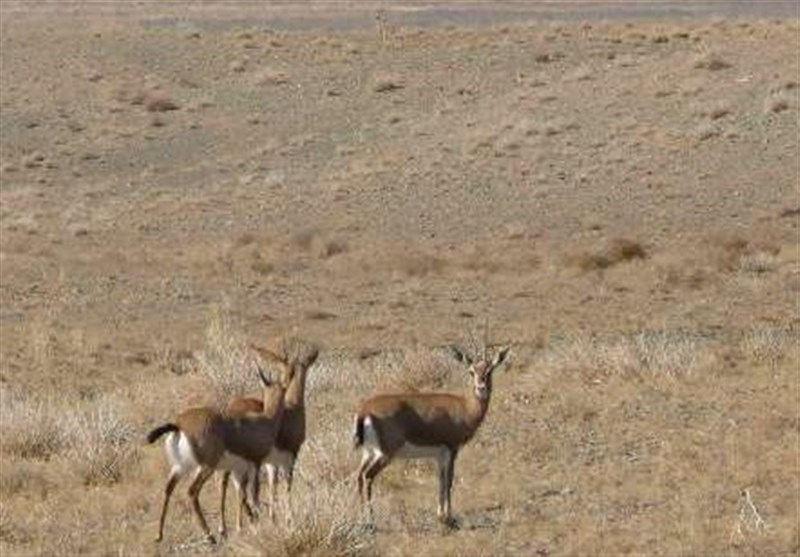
[[617, 197]]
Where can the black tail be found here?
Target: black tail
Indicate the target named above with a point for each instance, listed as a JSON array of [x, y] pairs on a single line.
[[153, 436], [358, 434]]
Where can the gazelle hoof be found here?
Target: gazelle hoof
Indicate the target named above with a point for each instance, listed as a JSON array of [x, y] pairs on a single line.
[[449, 522]]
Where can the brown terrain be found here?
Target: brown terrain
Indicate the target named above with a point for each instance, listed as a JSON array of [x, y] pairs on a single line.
[[613, 192]]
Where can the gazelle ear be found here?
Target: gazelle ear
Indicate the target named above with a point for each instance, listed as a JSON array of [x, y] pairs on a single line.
[[501, 356], [263, 377], [311, 358], [268, 355], [460, 355]]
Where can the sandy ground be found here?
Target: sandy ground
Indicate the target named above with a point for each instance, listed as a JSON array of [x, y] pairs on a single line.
[[617, 198]]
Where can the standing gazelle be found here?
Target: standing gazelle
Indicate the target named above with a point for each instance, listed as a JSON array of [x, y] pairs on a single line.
[[423, 425], [292, 432], [203, 440]]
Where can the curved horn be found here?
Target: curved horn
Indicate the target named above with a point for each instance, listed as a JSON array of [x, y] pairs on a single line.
[[263, 377]]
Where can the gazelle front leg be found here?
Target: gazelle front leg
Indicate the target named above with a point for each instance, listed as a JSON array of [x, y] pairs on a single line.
[[272, 480], [446, 461]]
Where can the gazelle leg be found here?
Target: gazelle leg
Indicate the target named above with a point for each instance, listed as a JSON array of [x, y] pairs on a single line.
[[447, 459], [272, 481], [223, 492], [172, 481], [289, 470], [199, 480], [366, 459], [377, 464]]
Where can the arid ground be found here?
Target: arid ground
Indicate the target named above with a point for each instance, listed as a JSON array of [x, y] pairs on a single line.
[[615, 198]]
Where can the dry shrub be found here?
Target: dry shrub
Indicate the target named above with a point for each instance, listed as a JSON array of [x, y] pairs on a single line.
[[30, 427], [711, 61], [768, 343], [101, 442], [715, 110], [226, 363], [326, 521], [649, 353], [95, 437], [618, 250], [419, 264], [158, 102], [423, 369], [777, 103], [151, 100], [271, 76], [734, 253], [387, 83]]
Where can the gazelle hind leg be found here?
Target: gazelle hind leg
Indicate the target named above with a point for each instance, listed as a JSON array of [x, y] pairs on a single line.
[[172, 481], [223, 491], [200, 478]]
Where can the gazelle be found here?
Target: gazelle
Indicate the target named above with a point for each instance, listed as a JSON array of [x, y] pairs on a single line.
[[424, 425], [203, 440], [292, 432]]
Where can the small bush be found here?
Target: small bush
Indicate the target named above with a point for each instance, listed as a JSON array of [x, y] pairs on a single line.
[[651, 353], [101, 442], [29, 428], [226, 363], [767, 344], [325, 521], [617, 251]]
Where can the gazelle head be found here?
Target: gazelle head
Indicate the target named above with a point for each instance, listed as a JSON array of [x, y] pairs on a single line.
[[481, 369], [290, 365]]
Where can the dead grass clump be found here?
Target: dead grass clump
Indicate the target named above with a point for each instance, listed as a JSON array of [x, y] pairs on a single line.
[[325, 521], [711, 61], [734, 253], [714, 111], [151, 99], [271, 76], [101, 442], [95, 438], [155, 102], [387, 83], [419, 264], [768, 343], [618, 250], [654, 354], [423, 369], [777, 103], [226, 363], [29, 427]]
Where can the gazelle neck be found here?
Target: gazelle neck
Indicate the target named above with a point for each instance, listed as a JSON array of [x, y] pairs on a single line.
[[296, 392], [477, 405]]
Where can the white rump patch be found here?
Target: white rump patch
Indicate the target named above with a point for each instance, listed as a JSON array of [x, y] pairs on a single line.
[[407, 451], [180, 454]]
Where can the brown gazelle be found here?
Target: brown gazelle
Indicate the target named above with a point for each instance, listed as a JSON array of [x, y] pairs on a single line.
[[203, 440], [424, 425], [292, 432]]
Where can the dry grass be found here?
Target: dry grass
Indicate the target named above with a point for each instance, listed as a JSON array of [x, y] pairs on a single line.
[[381, 199], [325, 520], [227, 363], [96, 439], [614, 252], [647, 354]]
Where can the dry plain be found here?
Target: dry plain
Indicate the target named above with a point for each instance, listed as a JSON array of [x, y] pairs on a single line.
[[617, 199]]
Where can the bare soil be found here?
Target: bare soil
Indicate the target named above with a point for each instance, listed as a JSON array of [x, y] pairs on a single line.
[[615, 196]]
